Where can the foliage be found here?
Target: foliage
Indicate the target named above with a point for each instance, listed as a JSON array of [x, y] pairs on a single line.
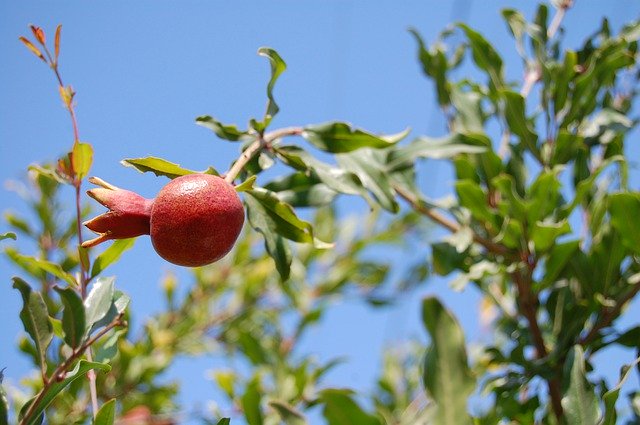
[[543, 225]]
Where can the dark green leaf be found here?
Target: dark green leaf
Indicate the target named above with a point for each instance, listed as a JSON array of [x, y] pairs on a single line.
[[223, 131], [341, 409], [340, 137], [111, 255], [557, 260], [580, 403], [81, 368], [475, 199], [35, 266], [35, 318], [445, 258], [434, 65], [485, 56], [107, 413], [370, 168], [98, 302], [610, 397], [161, 167], [250, 403], [302, 190], [426, 147], [447, 377], [288, 414], [7, 235], [224, 421], [625, 210], [514, 111], [73, 317], [277, 67]]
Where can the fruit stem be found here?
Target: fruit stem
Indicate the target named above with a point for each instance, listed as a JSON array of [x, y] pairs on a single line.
[[260, 143]]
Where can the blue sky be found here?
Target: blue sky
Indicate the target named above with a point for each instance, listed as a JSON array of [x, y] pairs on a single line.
[[144, 70]]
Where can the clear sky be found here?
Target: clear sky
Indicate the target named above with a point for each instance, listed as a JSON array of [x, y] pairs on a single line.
[[144, 70]]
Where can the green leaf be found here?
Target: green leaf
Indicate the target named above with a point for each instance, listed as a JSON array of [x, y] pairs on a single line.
[[557, 260], [469, 117], [288, 414], [474, 198], [223, 131], [277, 67], [337, 179], [73, 317], [370, 168], [98, 302], [224, 421], [485, 56], [161, 167], [35, 266], [610, 397], [625, 210], [514, 111], [301, 189], [447, 377], [580, 404], [341, 409], [340, 137], [81, 159], [250, 403], [247, 184], [426, 147], [434, 65], [35, 318], [445, 258], [4, 403], [107, 413], [544, 233], [81, 368], [110, 255], [7, 235]]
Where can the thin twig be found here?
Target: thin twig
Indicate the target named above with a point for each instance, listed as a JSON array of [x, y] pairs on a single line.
[[260, 143], [609, 314], [63, 368]]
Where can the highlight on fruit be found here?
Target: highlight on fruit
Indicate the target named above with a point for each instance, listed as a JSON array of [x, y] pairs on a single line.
[[194, 221]]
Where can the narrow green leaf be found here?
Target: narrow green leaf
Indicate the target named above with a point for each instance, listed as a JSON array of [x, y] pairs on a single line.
[[447, 377], [162, 167], [4, 403], [223, 131], [73, 317], [625, 210], [35, 318], [340, 137], [485, 56], [277, 67], [250, 403], [288, 414], [435, 66], [557, 260], [469, 117], [301, 189], [110, 255], [580, 404], [517, 121], [370, 167], [107, 413], [224, 421], [99, 300], [426, 147], [341, 409], [35, 265], [81, 159], [7, 235], [247, 184], [81, 368], [610, 397]]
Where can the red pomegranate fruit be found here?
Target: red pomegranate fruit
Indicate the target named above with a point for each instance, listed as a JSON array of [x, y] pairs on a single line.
[[195, 219]]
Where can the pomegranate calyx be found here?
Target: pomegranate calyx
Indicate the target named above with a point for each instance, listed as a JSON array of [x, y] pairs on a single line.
[[129, 214]]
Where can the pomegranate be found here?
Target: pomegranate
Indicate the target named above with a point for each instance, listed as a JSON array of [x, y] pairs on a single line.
[[194, 220]]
